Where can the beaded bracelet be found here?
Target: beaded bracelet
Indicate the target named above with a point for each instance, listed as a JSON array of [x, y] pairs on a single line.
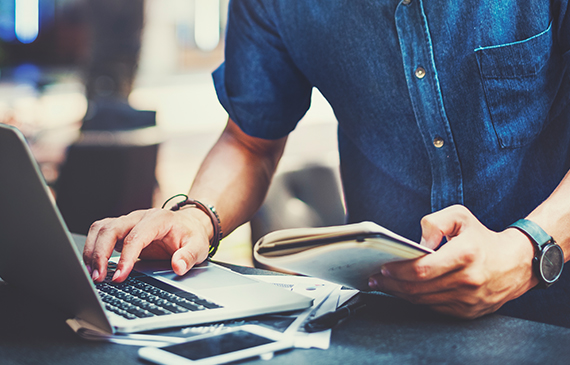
[[210, 211]]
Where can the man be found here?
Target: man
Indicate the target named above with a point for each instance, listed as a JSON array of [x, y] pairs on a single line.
[[453, 115]]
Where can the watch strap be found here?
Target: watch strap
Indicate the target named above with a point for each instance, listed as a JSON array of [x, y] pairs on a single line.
[[533, 231], [540, 240]]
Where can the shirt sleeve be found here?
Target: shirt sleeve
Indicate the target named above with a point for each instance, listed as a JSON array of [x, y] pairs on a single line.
[[258, 84]]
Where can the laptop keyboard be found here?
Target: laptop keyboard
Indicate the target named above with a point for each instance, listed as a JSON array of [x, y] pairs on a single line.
[[142, 296]]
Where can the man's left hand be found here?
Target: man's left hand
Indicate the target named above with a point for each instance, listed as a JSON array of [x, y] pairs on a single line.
[[473, 274]]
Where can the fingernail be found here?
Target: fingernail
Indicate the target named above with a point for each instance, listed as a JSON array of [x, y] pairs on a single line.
[[88, 267], [182, 265], [95, 275], [372, 283], [384, 271], [116, 275]]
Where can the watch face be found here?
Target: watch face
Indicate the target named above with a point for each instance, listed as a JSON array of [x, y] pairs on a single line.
[[551, 263]]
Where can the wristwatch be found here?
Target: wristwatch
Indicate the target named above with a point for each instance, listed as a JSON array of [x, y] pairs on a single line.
[[548, 256]]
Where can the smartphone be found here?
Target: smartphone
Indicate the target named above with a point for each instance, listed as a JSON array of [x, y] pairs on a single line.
[[221, 347]]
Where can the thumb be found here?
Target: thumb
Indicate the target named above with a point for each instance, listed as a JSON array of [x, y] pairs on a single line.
[[448, 222], [187, 256]]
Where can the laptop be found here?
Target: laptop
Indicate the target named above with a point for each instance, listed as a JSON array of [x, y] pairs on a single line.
[[39, 255]]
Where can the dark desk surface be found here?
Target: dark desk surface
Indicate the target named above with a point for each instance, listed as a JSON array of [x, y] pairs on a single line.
[[390, 331]]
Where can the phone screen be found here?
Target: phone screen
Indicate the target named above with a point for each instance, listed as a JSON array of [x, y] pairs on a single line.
[[218, 345]]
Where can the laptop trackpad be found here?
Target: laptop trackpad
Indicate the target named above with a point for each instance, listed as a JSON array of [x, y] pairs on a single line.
[[203, 276]]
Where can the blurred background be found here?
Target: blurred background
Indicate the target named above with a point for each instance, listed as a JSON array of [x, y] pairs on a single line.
[[116, 100]]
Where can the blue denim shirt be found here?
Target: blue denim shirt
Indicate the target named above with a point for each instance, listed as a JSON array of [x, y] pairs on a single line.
[[438, 102]]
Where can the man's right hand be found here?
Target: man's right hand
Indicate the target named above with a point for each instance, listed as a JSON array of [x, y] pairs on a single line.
[[182, 236], [234, 176]]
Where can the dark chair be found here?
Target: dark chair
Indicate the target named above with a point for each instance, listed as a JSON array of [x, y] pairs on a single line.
[[108, 173]]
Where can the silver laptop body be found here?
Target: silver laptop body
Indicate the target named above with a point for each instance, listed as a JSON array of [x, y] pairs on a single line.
[[38, 254]]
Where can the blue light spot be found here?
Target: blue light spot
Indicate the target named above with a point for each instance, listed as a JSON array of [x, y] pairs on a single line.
[[7, 32]]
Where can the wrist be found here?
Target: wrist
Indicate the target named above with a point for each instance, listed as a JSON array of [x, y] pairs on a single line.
[[525, 252], [555, 225], [197, 215], [209, 211]]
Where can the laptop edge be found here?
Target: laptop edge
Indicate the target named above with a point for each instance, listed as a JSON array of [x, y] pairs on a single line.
[[30, 221]]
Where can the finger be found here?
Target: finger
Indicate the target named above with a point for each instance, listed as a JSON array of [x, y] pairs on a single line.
[[433, 299], [461, 303], [192, 252], [95, 252], [448, 309], [152, 226], [109, 232], [460, 281], [448, 222], [462, 311], [90, 245], [451, 257]]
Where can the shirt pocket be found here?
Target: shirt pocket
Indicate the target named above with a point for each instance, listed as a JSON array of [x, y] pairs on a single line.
[[520, 80]]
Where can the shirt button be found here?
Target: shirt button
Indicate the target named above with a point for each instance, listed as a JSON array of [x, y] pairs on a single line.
[[420, 72], [438, 142], [406, 2]]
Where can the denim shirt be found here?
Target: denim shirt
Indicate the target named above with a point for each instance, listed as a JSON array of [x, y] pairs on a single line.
[[438, 102]]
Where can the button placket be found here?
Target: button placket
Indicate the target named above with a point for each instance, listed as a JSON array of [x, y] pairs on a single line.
[[427, 102]]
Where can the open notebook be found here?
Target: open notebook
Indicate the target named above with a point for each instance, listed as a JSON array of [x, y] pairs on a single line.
[[347, 254]]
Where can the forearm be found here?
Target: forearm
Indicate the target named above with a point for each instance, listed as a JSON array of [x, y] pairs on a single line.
[[236, 174], [553, 215]]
